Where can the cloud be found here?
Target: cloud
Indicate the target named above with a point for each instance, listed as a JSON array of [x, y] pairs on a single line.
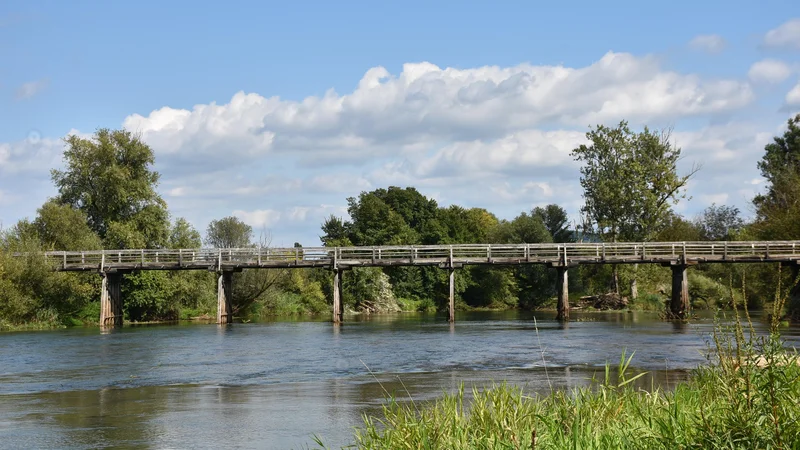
[[793, 96], [259, 218], [532, 152], [492, 137], [30, 89], [769, 71], [425, 104], [30, 156], [787, 35], [708, 43]]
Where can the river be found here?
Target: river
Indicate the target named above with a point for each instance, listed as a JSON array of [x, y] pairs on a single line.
[[277, 384]]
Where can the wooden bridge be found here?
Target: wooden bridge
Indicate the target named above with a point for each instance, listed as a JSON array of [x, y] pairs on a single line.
[[113, 264]]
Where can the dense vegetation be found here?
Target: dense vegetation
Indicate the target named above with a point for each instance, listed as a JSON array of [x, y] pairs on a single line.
[[108, 198]]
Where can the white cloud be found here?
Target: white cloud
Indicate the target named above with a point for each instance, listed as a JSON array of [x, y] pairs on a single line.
[[793, 96], [30, 156], [492, 137], [769, 71], [708, 43], [530, 152], [719, 199], [787, 35], [426, 104], [259, 218], [30, 89]]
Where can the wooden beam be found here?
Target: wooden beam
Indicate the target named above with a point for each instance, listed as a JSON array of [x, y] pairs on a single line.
[[337, 296], [111, 299], [224, 292], [563, 293], [452, 304], [679, 304]]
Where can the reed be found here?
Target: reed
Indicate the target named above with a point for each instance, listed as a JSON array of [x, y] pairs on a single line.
[[747, 397]]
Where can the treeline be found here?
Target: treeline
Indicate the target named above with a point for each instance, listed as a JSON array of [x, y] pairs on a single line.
[[108, 198]]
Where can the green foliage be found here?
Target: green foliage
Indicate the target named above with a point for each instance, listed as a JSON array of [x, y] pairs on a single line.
[[31, 292], [184, 235], [108, 177], [253, 287], [491, 287], [374, 222], [149, 295], [63, 227], [298, 293], [778, 209], [368, 288], [523, 229], [677, 229], [555, 219], [720, 223], [229, 232], [629, 181]]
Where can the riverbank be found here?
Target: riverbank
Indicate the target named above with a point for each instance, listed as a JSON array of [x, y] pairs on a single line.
[[748, 398]]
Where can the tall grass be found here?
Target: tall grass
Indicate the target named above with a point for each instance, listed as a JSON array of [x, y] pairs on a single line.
[[747, 397]]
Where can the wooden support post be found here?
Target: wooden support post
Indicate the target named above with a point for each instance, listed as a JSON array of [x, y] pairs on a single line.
[[338, 309], [452, 304], [563, 293], [224, 288], [679, 305], [111, 300]]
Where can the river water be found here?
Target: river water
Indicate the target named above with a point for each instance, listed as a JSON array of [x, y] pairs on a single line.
[[277, 384]]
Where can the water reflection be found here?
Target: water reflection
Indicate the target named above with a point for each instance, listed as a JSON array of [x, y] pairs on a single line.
[[270, 416]]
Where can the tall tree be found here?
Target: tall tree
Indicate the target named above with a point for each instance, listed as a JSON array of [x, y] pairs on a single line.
[[720, 223], [778, 208], [229, 232], [109, 178], [184, 235], [630, 181], [555, 219]]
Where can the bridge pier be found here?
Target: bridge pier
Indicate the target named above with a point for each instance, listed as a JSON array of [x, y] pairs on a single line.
[[452, 303], [111, 299], [337, 295], [563, 294], [224, 294], [679, 304]]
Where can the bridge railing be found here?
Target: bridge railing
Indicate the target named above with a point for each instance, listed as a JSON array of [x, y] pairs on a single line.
[[622, 251]]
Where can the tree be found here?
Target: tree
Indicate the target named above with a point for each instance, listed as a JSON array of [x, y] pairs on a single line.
[[524, 229], [720, 223], [375, 223], [778, 209], [108, 177], [677, 229], [555, 219], [229, 232], [782, 155], [184, 235], [629, 181], [62, 227], [336, 232]]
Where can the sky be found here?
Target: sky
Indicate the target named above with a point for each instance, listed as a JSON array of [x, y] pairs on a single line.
[[277, 112]]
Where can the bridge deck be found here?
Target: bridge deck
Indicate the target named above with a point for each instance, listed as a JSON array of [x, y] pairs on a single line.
[[431, 255]]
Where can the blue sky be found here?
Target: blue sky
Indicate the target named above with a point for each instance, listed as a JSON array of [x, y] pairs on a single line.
[[277, 112]]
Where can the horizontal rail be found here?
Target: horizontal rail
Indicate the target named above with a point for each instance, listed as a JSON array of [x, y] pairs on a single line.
[[460, 254]]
